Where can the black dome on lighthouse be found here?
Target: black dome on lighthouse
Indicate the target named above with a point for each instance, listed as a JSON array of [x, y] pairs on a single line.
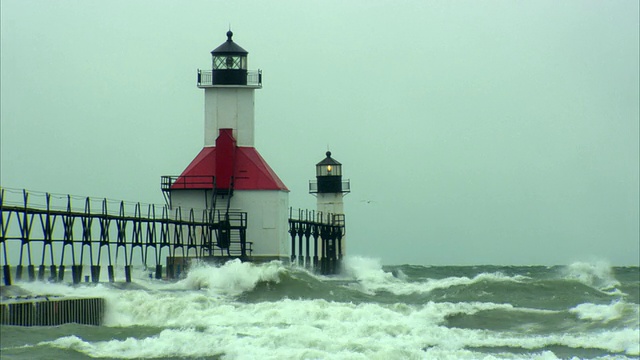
[[229, 47], [328, 160]]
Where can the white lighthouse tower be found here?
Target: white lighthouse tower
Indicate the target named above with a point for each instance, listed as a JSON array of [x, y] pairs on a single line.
[[330, 189], [228, 175]]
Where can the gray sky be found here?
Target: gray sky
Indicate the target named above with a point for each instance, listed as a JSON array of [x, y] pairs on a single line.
[[481, 132]]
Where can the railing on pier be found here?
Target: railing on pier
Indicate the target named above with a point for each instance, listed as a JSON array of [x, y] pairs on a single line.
[[205, 78], [321, 232], [57, 224]]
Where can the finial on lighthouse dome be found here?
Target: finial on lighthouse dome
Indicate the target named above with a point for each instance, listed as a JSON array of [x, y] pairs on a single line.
[[229, 47], [328, 153]]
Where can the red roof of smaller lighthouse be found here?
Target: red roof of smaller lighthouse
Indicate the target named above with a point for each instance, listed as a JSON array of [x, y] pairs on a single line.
[[250, 170]]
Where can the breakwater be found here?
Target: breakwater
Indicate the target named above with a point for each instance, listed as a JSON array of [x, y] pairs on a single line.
[[51, 311]]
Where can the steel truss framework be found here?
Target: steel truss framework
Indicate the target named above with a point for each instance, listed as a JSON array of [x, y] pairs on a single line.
[[58, 230], [321, 232]]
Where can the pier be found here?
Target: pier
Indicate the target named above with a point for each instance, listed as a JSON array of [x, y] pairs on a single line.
[[56, 233], [320, 233], [43, 236]]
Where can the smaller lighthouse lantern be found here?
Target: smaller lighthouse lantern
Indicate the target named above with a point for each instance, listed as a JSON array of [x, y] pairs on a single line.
[[329, 175], [328, 186]]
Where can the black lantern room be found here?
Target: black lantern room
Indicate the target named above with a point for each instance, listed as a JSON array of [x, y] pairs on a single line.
[[329, 176], [229, 63]]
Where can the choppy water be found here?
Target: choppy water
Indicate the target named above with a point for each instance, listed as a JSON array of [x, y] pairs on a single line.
[[271, 311]]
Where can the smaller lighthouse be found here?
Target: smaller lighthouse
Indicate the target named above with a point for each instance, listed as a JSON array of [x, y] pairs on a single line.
[[330, 189]]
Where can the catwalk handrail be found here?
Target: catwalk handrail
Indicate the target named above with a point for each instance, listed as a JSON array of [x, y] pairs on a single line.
[[319, 217]]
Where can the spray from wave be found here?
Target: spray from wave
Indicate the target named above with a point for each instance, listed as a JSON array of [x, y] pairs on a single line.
[[233, 278], [598, 275], [372, 278]]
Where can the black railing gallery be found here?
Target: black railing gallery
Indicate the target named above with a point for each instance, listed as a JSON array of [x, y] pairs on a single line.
[[345, 186], [205, 78]]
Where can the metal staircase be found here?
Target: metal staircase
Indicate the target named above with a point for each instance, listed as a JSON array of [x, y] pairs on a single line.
[[228, 228]]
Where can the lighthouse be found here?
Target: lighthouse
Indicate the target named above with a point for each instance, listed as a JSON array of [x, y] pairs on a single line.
[[330, 189], [228, 180]]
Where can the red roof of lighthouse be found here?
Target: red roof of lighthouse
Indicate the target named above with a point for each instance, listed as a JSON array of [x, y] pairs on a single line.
[[251, 171]]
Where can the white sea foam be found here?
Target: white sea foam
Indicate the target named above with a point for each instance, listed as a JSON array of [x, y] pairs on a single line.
[[283, 345], [233, 278], [199, 318], [373, 278], [195, 326], [604, 313], [598, 275], [63, 289]]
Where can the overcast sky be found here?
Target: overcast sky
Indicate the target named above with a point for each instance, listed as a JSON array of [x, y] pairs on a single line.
[[473, 132]]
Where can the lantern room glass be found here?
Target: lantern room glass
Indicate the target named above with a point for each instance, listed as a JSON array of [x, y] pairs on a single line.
[[229, 62], [329, 170]]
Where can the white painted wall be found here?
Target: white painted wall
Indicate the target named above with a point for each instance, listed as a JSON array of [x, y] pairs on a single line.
[[268, 214], [189, 199], [229, 108], [332, 203], [267, 217]]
